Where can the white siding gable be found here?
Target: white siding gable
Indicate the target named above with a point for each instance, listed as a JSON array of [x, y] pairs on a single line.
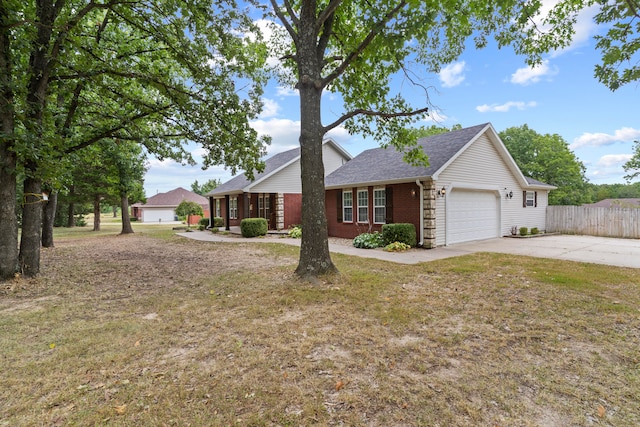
[[287, 179]]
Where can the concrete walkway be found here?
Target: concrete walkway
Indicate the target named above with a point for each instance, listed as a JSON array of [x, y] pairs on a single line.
[[598, 250]]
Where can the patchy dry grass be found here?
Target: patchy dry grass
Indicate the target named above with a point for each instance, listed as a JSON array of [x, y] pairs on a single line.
[[136, 330]]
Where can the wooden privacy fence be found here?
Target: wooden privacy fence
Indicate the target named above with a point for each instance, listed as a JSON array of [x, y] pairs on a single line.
[[606, 222]]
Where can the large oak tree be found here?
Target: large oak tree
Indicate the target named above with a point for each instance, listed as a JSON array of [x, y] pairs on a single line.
[[355, 48]]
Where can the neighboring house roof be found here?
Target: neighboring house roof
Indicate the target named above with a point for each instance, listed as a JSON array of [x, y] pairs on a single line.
[[241, 184], [173, 198], [442, 150], [615, 203]]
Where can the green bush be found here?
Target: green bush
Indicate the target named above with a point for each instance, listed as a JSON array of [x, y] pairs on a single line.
[[396, 247], [368, 240], [204, 222], [535, 231], [524, 231], [296, 232], [253, 227], [218, 221], [403, 233]]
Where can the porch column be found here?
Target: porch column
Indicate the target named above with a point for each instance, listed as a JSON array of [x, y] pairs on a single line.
[[429, 214], [279, 211]]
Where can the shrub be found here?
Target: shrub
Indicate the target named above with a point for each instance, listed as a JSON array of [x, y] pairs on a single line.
[[535, 231], [403, 233], [218, 221], [253, 227], [214, 230], [296, 232], [368, 240], [524, 231], [396, 247], [204, 222]]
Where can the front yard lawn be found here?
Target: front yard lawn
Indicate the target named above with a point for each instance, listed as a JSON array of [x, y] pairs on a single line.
[[139, 330]]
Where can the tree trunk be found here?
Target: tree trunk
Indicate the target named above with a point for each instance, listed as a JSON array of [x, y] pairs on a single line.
[[71, 219], [8, 222], [48, 218], [115, 212], [31, 228], [96, 213], [126, 220], [315, 259]]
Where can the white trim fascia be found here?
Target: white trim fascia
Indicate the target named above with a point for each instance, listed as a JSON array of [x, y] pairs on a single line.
[[380, 183], [338, 148]]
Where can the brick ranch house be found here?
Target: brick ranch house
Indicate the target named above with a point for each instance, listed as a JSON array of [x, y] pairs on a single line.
[[472, 190], [162, 206], [275, 194]]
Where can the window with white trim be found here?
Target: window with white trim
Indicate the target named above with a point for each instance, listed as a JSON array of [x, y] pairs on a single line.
[[379, 205], [531, 198], [233, 208], [347, 206], [363, 205], [217, 213]]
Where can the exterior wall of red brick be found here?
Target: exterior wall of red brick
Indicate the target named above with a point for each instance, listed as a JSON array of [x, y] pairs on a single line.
[[404, 207], [292, 210]]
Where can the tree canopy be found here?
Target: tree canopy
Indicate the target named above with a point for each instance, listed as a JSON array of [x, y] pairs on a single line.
[[206, 187], [158, 73], [548, 158]]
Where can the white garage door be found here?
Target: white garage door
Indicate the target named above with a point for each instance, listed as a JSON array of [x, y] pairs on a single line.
[[472, 215], [157, 215]]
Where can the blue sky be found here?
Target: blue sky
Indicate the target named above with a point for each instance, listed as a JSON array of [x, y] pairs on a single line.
[[561, 96]]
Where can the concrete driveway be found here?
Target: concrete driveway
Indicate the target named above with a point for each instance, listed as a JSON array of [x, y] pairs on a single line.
[[598, 250]]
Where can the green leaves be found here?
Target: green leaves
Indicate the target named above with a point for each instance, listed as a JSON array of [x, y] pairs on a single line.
[[547, 158]]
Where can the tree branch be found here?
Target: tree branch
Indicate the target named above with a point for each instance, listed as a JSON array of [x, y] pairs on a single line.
[[364, 112], [283, 19], [377, 28], [110, 132]]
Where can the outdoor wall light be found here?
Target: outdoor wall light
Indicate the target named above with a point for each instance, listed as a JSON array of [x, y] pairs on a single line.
[[508, 195], [413, 193], [442, 192]]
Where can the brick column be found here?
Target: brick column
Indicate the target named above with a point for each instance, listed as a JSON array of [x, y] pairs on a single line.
[[429, 214], [280, 211]]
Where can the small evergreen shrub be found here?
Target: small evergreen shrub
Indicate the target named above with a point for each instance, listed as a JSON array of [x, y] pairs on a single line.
[[296, 232], [535, 231], [214, 230], [403, 233], [204, 222], [218, 221], [253, 227], [524, 231], [368, 240], [396, 247]]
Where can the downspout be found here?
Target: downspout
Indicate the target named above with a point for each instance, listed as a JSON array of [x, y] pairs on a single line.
[[421, 187]]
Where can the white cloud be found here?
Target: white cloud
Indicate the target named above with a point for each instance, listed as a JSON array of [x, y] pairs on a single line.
[[453, 74], [435, 116], [528, 75], [504, 108], [286, 91], [270, 108], [587, 139], [613, 160]]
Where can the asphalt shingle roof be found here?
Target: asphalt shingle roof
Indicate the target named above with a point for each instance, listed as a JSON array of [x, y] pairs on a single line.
[[380, 164], [272, 164], [174, 198]]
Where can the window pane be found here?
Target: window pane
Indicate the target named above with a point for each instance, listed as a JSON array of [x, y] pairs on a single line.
[[363, 206], [379, 206], [347, 206]]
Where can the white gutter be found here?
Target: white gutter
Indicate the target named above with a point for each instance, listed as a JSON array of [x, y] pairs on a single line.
[[421, 241]]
